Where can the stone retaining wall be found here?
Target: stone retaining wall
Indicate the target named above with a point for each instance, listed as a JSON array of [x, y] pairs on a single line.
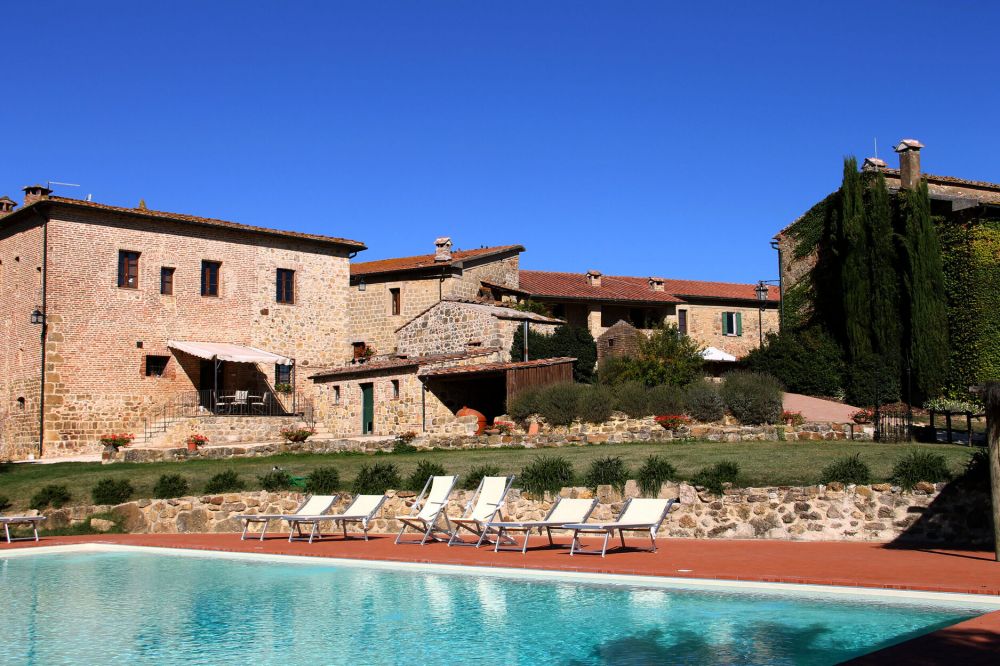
[[938, 514]]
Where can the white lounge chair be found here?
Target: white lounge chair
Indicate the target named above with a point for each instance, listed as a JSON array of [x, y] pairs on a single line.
[[428, 509], [638, 515], [312, 519], [312, 506], [362, 509], [484, 506], [562, 512], [20, 520]]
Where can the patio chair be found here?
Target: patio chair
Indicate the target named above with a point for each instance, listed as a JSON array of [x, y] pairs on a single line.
[[32, 521], [563, 511], [484, 506], [312, 506], [428, 509], [259, 403], [362, 509], [638, 515], [239, 401]]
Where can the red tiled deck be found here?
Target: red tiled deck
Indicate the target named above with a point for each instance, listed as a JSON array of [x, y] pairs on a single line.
[[848, 564]]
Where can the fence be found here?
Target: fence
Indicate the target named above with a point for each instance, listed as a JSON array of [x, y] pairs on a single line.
[[893, 424]]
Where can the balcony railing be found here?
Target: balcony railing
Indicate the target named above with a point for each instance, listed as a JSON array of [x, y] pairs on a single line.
[[198, 404]]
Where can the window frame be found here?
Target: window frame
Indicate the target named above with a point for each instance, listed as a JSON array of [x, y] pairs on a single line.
[[682, 321], [732, 323], [284, 287], [167, 280], [206, 284], [336, 394], [128, 260], [147, 369], [282, 374], [395, 301], [394, 388]]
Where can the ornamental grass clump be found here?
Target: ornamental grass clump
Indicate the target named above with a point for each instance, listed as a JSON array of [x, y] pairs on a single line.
[[611, 471], [546, 473], [753, 398], [425, 469], [376, 478], [917, 466], [323, 481], [225, 482], [471, 480], [112, 491], [169, 486], [653, 474], [703, 403], [712, 478], [849, 469], [50, 496]]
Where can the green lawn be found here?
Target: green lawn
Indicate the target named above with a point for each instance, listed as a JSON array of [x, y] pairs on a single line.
[[761, 463]]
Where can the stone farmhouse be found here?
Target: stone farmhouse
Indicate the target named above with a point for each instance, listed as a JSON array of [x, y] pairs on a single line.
[[110, 314]]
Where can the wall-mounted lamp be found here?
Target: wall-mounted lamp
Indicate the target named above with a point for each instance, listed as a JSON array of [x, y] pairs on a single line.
[[362, 285], [37, 317]]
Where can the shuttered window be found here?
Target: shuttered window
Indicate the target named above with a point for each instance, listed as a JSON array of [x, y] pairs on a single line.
[[732, 323], [128, 269]]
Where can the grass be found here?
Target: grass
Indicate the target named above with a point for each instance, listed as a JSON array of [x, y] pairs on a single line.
[[761, 464]]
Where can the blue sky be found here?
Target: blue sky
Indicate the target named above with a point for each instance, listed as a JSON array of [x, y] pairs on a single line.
[[637, 138]]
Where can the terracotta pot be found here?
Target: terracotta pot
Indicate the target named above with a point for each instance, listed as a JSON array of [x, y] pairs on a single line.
[[192, 446], [480, 418]]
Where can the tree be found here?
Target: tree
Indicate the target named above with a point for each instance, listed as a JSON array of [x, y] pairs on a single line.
[[855, 279], [808, 361], [665, 357], [566, 340], [883, 277]]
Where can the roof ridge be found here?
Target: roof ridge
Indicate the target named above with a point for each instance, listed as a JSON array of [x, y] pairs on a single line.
[[495, 248], [639, 277]]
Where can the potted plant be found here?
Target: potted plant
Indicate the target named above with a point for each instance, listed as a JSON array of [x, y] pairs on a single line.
[[283, 387], [297, 434], [113, 442], [196, 440], [792, 419], [863, 416]]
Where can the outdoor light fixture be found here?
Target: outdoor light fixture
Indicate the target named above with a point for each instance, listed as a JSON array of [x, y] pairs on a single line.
[[761, 291], [37, 317], [362, 285]]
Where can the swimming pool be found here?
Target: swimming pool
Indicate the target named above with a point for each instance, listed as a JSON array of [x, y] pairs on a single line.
[[117, 605]]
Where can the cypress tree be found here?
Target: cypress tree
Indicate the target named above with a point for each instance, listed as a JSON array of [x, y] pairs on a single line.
[[854, 271], [884, 297], [925, 308]]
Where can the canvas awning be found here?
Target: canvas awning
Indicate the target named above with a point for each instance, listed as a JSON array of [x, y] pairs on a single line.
[[226, 351], [714, 354]]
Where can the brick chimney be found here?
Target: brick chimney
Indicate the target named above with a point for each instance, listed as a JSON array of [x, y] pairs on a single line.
[[442, 249], [7, 205], [594, 278], [33, 193], [656, 283], [873, 164], [909, 163]]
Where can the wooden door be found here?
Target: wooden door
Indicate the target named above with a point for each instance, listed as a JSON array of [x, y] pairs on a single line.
[[367, 409]]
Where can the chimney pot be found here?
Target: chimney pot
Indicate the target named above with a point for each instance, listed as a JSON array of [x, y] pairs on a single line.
[[656, 283], [594, 278], [442, 249], [909, 163], [873, 164], [33, 193], [7, 205]]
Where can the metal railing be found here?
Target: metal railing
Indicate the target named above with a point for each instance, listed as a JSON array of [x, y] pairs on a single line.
[[205, 403]]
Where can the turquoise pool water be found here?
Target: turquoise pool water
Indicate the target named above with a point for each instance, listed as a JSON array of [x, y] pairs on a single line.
[[140, 608]]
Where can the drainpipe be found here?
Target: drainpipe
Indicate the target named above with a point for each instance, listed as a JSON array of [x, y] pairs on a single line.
[[44, 334], [525, 336], [423, 407], [775, 245]]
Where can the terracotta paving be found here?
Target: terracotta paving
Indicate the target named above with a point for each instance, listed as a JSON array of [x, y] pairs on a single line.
[[850, 564], [817, 409]]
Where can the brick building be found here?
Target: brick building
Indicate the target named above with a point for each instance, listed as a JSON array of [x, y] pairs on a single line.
[[723, 315], [120, 290]]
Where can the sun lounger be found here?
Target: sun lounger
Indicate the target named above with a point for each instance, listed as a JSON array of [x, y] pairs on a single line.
[[638, 515], [20, 520], [309, 517], [362, 509], [562, 512], [311, 506], [484, 506], [428, 510]]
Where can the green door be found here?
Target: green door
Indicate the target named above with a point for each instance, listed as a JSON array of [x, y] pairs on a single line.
[[367, 409]]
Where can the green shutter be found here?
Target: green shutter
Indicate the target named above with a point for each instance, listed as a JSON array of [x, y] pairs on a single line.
[[724, 331], [739, 323]]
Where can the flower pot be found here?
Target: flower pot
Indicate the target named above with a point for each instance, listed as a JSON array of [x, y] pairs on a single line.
[[192, 446], [108, 453]]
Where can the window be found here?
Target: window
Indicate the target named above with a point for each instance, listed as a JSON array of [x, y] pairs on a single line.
[[210, 278], [359, 350], [395, 389], [282, 374], [167, 281], [611, 343], [156, 365], [395, 301], [336, 395], [682, 322], [21, 403], [128, 269], [732, 323], [285, 286]]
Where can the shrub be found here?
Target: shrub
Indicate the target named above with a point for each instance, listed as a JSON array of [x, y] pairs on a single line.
[[297, 434], [849, 469], [672, 421], [112, 491], [400, 445], [559, 403], [566, 340], [50, 496], [808, 361], [276, 479], [653, 473], [4, 502], [862, 416], [633, 399], [795, 419], [918, 466], [524, 404], [376, 478], [666, 399], [948, 405], [703, 402], [323, 481], [476, 474], [169, 486], [872, 380], [425, 469], [713, 477], [752, 397], [977, 469], [595, 404], [614, 370], [546, 473], [607, 471], [225, 482]]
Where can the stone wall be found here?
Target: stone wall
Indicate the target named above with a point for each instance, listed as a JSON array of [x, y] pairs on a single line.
[[704, 324], [931, 513]]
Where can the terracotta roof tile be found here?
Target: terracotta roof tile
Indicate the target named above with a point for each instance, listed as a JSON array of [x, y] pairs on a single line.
[[423, 261], [633, 289], [191, 219], [483, 368], [399, 363]]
